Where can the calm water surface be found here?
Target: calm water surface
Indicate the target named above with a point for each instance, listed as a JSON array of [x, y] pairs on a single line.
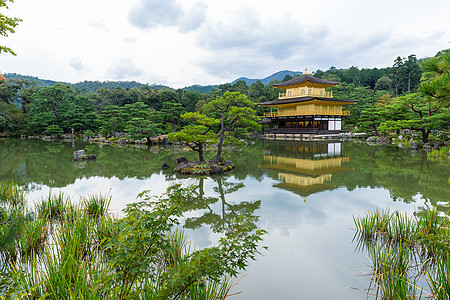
[[305, 195]]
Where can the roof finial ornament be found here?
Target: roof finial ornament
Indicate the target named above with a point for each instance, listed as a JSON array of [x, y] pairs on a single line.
[[306, 71]]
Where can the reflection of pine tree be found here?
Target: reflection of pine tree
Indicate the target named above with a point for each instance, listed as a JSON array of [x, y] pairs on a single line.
[[219, 221]]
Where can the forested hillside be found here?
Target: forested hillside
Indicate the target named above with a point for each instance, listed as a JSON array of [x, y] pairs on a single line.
[[410, 94]]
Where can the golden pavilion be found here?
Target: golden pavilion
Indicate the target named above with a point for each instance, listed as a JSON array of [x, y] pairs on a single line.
[[305, 108]]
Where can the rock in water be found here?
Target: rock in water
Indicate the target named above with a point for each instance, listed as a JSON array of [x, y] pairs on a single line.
[[371, 139], [415, 145], [181, 159], [383, 140], [79, 155]]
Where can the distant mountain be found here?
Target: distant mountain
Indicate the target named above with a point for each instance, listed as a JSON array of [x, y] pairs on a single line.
[[41, 82], [92, 86], [275, 76], [88, 86], [204, 89]]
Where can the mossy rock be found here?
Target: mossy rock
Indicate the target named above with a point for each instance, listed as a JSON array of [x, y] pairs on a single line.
[[204, 168]]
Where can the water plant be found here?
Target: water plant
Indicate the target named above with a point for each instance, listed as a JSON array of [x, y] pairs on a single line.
[[66, 251], [409, 254], [440, 154]]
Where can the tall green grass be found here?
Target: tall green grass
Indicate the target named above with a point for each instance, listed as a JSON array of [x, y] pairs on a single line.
[[62, 250], [440, 154], [409, 254]]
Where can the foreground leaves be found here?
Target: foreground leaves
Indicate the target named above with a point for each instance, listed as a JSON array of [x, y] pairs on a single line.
[[63, 251]]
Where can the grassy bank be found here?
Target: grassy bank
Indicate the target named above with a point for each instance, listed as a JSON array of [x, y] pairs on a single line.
[[67, 250]]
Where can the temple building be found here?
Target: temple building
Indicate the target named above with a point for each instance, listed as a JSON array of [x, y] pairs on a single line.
[[305, 108]]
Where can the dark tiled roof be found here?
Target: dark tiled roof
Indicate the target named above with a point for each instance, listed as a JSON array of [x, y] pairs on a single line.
[[303, 78], [303, 99]]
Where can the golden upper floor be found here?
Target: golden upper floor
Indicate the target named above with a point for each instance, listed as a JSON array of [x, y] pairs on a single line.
[[307, 108], [305, 86]]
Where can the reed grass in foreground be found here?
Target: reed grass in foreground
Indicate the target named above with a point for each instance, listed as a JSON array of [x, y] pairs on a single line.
[[409, 254], [67, 251]]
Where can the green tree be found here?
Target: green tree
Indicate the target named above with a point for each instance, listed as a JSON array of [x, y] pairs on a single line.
[[256, 92], [383, 83], [139, 120], [198, 134], [425, 114], [233, 109], [171, 112], [370, 118], [412, 73], [436, 77], [12, 119], [240, 87], [54, 130], [167, 95], [189, 99], [7, 25], [48, 107], [397, 74], [111, 120]]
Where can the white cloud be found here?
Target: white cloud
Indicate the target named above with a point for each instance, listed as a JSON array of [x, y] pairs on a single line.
[[192, 18], [78, 65], [124, 69], [153, 13], [150, 14]]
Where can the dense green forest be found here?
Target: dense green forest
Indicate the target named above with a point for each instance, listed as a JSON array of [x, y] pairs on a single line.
[[411, 94]]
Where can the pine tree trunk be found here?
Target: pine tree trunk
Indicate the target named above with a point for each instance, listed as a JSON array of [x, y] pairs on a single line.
[[425, 134], [200, 153], [220, 144]]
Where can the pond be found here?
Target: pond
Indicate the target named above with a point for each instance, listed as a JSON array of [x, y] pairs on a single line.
[[304, 193]]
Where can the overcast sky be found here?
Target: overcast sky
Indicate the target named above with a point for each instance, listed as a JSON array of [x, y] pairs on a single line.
[[185, 42]]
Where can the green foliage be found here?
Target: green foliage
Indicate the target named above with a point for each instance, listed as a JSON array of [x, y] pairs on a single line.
[[232, 110], [423, 114], [440, 154], [111, 120], [139, 120], [139, 256], [60, 105], [406, 252], [196, 136], [53, 130], [12, 119], [7, 25], [436, 79], [171, 112]]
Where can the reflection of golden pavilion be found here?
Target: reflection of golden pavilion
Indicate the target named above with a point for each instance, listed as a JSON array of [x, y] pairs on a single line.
[[305, 168]]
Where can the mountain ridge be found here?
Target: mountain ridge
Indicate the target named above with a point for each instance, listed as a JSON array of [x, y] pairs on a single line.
[[92, 86], [275, 76]]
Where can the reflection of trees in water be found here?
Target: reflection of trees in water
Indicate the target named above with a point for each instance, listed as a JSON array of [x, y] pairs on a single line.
[[50, 163], [403, 173], [219, 221]]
